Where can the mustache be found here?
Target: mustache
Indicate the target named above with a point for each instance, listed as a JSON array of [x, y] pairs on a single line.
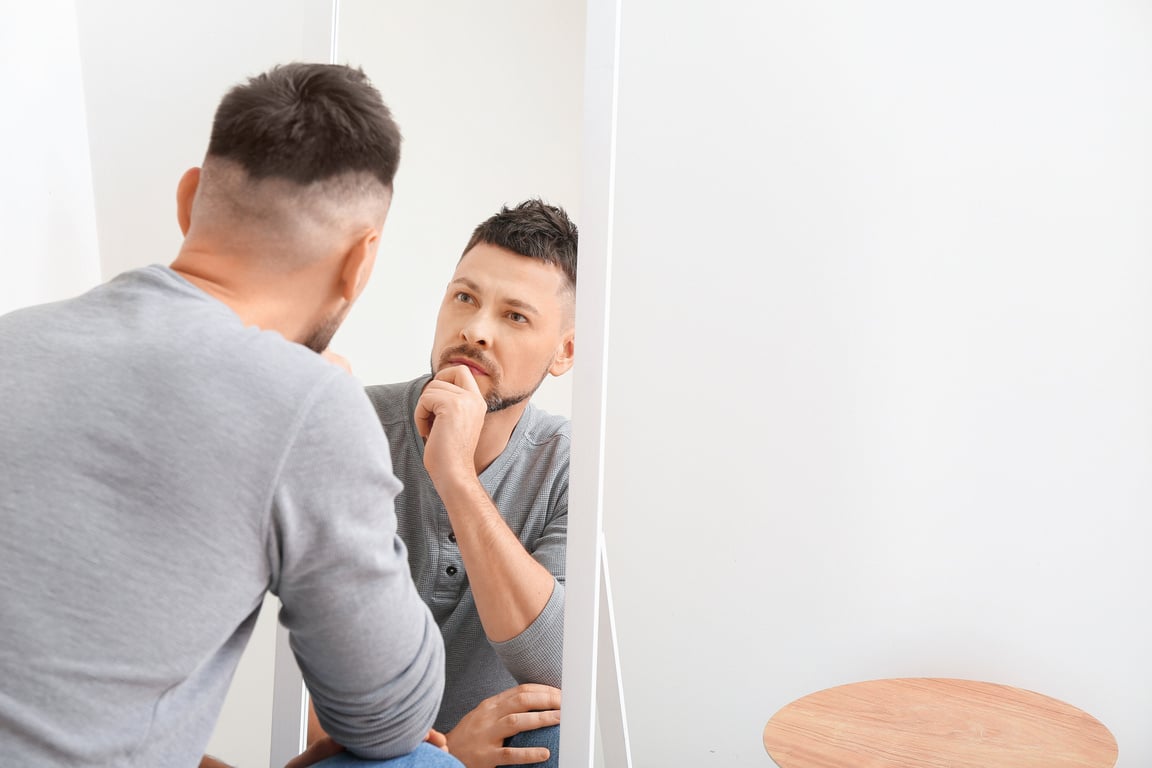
[[470, 352]]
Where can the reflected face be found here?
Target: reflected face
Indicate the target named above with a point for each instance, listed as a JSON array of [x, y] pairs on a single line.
[[509, 319]]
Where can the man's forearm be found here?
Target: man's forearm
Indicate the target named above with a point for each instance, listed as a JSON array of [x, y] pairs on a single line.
[[510, 587], [536, 655]]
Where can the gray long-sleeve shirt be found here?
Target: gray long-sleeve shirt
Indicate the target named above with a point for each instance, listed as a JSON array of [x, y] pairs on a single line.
[[161, 467], [528, 483]]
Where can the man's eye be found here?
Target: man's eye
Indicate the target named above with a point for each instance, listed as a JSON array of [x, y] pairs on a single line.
[[516, 317], [464, 297]]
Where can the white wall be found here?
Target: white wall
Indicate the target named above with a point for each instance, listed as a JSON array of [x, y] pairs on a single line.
[[880, 373], [47, 219], [153, 74]]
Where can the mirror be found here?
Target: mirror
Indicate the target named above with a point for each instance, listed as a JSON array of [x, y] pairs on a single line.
[[490, 100], [494, 116]]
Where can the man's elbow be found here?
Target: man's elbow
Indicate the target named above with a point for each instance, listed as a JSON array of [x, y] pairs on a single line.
[[390, 734], [393, 720]]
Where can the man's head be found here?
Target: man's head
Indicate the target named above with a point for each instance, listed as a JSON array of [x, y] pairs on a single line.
[[307, 123], [509, 310], [294, 190]]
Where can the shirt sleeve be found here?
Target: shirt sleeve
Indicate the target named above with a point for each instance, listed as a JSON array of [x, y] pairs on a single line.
[[367, 646], [536, 654]]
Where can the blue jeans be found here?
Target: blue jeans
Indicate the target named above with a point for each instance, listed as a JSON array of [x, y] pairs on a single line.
[[541, 737], [428, 756], [424, 756]]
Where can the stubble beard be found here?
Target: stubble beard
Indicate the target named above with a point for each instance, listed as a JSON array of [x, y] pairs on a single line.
[[322, 334], [496, 400]]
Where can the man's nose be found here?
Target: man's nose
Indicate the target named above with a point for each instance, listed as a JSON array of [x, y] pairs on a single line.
[[477, 330]]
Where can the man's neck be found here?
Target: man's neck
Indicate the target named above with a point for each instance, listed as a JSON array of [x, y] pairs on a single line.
[[498, 428], [272, 308]]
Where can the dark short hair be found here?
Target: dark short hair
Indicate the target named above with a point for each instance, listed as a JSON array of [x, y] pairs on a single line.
[[534, 229], [307, 123]]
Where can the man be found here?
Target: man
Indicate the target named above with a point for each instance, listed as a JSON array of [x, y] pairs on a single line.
[[484, 510], [173, 446]]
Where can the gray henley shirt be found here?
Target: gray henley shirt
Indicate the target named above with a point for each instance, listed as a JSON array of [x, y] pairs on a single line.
[[528, 483]]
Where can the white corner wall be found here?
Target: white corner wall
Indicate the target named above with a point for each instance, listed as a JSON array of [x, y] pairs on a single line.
[[880, 372], [47, 217], [153, 74]]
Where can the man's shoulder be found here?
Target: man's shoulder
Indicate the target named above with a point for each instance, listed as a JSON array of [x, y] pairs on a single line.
[[395, 403], [548, 431], [387, 393], [191, 344]]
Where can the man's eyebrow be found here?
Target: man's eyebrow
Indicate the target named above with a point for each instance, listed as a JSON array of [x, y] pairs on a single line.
[[517, 303], [466, 283], [522, 305]]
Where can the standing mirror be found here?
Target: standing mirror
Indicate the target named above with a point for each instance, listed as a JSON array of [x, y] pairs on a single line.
[[495, 108]]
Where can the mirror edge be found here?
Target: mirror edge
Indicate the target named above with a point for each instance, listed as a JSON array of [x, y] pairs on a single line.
[[582, 614]]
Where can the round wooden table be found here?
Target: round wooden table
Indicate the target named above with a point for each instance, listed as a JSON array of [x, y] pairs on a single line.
[[935, 723]]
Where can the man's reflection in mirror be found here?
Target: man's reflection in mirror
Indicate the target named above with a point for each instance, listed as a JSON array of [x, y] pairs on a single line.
[[484, 510]]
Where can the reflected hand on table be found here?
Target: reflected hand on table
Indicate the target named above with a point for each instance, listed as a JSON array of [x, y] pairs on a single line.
[[478, 739]]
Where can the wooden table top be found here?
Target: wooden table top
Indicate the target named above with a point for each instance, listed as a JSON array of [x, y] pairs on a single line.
[[935, 723]]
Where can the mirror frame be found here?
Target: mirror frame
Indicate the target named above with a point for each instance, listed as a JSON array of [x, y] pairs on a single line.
[[584, 635], [590, 663]]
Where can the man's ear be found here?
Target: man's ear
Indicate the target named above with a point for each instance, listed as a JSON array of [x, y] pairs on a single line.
[[358, 263], [185, 194], [565, 354]]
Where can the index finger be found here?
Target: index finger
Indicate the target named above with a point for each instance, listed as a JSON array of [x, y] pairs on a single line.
[[460, 375]]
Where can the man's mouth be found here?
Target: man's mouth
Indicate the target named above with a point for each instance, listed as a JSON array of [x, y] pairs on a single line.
[[477, 369]]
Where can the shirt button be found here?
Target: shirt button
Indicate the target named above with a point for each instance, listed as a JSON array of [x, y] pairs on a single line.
[[452, 537], [451, 570]]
